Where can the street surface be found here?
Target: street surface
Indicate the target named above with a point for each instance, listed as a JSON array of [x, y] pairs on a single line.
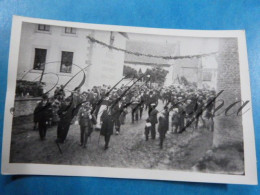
[[128, 149]]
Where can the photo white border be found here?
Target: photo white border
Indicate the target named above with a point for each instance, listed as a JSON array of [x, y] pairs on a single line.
[[250, 176]]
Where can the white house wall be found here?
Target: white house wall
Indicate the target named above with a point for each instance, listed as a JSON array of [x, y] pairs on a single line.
[[106, 65]]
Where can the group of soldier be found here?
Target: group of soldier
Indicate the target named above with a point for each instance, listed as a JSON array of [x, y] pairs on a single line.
[[105, 108]]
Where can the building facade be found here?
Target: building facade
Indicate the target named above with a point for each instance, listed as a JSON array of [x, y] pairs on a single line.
[[61, 52], [148, 62], [202, 71]]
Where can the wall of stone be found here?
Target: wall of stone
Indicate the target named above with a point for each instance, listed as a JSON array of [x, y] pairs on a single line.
[[228, 129], [25, 106]]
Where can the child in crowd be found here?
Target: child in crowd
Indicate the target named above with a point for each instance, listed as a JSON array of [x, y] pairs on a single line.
[[147, 128]]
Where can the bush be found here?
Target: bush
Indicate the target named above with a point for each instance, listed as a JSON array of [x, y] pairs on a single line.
[[24, 88]]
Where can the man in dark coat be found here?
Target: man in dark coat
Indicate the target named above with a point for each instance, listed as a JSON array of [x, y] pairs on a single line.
[[198, 111], [153, 120], [210, 112], [153, 100], [107, 126], [146, 98], [189, 112], [43, 113], [66, 115], [36, 116], [57, 90], [162, 127], [60, 93]]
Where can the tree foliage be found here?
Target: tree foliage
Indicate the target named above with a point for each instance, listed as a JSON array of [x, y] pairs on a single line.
[[31, 88], [129, 72], [140, 73], [184, 81], [157, 75]]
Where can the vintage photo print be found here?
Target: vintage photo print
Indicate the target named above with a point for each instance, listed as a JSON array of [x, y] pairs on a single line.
[[128, 102]]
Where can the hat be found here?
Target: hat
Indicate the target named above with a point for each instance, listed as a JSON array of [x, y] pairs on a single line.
[[68, 99], [84, 93], [44, 97], [86, 104]]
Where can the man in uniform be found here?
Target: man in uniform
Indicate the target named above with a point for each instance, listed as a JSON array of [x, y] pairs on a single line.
[[86, 122], [135, 107]]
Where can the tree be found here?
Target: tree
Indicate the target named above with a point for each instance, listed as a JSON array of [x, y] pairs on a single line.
[[129, 72], [157, 75], [140, 73], [184, 81]]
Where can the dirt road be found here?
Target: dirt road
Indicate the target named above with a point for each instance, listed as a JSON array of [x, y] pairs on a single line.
[[129, 149]]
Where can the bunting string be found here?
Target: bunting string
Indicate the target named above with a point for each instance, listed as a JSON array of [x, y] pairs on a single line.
[[93, 40]]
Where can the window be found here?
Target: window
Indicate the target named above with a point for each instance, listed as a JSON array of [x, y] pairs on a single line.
[[69, 30], [43, 27], [66, 61], [39, 59]]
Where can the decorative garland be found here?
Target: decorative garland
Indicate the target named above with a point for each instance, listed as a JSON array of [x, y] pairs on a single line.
[[148, 55]]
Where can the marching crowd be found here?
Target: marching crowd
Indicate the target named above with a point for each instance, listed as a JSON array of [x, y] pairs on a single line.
[[105, 108]]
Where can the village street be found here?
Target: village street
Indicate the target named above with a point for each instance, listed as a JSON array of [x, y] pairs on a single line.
[[128, 149]]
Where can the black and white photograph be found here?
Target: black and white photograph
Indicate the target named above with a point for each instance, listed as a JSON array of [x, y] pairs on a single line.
[[128, 102]]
